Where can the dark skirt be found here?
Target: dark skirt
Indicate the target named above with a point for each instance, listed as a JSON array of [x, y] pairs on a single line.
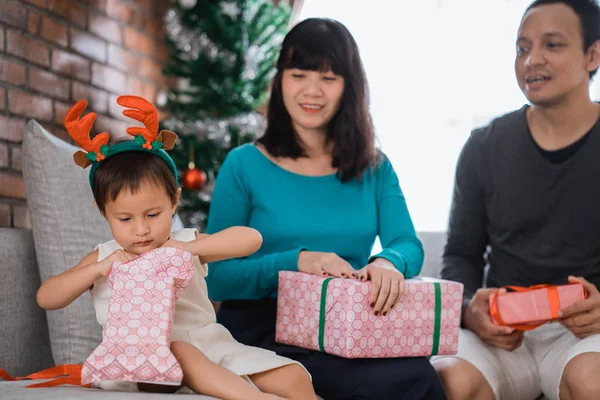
[[334, 378]]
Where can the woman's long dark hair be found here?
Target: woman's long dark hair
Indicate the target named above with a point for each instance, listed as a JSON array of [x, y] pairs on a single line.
[[319, 45]]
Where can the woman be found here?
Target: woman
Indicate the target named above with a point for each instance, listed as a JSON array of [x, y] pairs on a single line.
[[319, 192]]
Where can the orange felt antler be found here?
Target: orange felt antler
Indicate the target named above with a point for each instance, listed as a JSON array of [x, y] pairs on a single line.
[[144, 112], [79, 130]]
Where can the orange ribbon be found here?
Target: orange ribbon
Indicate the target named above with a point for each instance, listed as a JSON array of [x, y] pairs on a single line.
[[67, 374], [553, 299]]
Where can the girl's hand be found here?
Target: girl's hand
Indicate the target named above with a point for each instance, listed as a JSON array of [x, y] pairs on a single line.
[[185, 246], [117, 256], [324, 264], [387, 284]]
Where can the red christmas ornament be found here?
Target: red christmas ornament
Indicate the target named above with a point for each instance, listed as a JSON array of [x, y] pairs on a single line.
[[194, 178]]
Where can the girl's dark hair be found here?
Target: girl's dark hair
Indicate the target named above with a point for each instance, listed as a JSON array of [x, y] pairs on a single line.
[[128, 171], [588, 12], [318, 44]]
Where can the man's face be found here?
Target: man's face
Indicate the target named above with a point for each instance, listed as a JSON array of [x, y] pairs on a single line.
[[551, 64]]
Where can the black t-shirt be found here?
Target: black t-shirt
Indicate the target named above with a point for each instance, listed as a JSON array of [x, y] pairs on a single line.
[[531, 217]]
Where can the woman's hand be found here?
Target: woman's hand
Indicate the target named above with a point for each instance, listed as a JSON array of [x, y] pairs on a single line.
[[324, 264], [387, 284]]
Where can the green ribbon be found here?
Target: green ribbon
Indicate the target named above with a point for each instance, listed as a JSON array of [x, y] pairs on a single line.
[[437, 324], [322, 314]]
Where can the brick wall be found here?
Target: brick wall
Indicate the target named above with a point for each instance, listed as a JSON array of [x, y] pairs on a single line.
[[54, 52]]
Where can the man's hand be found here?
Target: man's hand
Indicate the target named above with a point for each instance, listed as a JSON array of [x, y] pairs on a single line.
[[583, 317], [477, 319], [387, 284]]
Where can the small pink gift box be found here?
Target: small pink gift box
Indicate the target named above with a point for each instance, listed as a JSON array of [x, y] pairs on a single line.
[[333, 315], [137, 334], [527, 308]]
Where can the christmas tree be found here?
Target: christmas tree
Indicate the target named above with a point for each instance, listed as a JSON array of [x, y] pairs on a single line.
[[222, 56]]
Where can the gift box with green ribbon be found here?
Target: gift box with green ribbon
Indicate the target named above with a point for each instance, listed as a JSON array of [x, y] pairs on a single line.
[[333, 315]]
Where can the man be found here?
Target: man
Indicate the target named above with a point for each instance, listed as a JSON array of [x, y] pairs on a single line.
[[527, 202]]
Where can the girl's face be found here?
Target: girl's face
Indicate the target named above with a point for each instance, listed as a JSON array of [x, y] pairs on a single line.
[[141, 221], [311, 98]]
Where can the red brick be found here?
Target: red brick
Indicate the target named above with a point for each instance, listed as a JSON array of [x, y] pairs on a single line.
[[13, 13], [143, 4], [54, 31], [12, 72], [70, 10], [3, 155], [33, 22], [154, 27], [150, 92], [21, 217], [106, 28], [135, 87], [96, 98], [29, 49], [38, 3], [48, 83], [2, 98], [108, 78], [37, 107], [137, 41], [120, 10], [62, 134], [4, 215], [88, 45], [70, 64], [97, 4], [60, 110], [16, 159], [149, 69], [162, 53], [115, 110], [117, 129], [1, 38], [122, 59], [12, 129], [12, 185]]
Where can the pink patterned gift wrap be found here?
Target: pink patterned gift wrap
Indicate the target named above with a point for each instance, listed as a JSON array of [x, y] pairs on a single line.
[[137, 334], [527, 308], [333, 315]]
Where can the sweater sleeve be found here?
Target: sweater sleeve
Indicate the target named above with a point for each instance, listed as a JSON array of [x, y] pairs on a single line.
[[248, 278], [463, 260], [399, 241]]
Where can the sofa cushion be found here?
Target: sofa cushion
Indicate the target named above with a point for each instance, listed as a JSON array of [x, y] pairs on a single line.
[[66, 226], [24, 343]]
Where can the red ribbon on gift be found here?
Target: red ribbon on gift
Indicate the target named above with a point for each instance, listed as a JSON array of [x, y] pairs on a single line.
[[553, 299], [66, 374]]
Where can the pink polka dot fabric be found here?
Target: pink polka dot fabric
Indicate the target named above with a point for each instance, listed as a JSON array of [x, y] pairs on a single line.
[[137, 334], [351, 330]]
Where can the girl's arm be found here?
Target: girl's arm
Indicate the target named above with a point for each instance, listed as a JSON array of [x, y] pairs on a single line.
[[234, 242], [62, 289]]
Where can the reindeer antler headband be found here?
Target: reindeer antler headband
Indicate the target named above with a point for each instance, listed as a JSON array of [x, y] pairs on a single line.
[[146, 139]]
